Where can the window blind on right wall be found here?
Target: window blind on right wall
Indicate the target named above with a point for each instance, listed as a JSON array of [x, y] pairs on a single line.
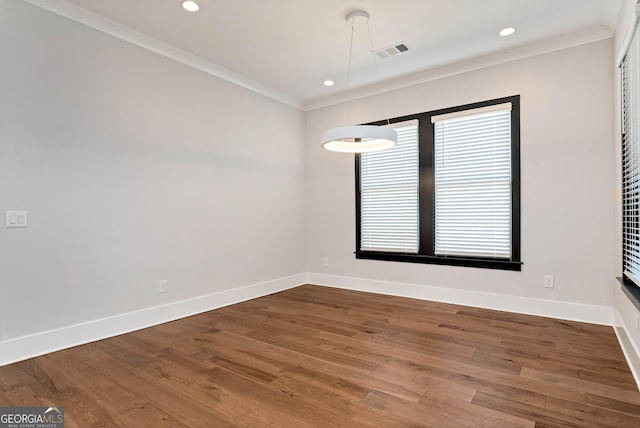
[[472, 173], [631, 162]]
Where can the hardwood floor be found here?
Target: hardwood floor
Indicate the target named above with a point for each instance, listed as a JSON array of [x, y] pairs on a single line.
[[321, 357]]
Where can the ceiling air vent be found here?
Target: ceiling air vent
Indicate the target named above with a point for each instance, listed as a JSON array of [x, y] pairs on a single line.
[[398, 48]]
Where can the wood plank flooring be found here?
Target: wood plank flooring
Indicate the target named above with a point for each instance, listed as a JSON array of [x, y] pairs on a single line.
[[321, 357]]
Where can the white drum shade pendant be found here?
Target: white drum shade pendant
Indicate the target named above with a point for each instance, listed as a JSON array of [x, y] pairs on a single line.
[[359, 138]]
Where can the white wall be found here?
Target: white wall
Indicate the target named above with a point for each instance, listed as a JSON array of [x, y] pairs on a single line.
[[134, 168], [568, 184]]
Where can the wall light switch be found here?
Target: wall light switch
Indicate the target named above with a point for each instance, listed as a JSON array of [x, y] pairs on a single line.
[[15, 219], [548, 281]]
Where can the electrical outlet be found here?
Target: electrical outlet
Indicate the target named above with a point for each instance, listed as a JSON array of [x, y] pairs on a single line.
[[163, 286], [325, 261], [548, 281], [15, 219]]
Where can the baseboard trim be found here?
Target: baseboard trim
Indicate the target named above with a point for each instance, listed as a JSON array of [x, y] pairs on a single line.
[[26, 347], [592, 314], [631, 353], [30, 346]]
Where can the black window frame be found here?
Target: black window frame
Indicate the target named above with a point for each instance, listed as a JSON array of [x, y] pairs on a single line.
[[426, 197]]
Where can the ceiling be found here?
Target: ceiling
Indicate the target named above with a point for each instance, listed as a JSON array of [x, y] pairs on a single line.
[[292, 46]]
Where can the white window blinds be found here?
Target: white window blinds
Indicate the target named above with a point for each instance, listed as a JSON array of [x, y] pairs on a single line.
[[389, 194], [472, 158], [631, 162]]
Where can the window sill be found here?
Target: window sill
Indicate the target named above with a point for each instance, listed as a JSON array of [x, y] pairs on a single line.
[[632, 292], [450, 261]]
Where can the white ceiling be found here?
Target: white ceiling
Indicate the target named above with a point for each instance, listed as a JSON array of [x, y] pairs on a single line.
[[292, 46]]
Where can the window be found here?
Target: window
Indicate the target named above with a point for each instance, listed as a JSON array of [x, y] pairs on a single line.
[[448, 192], [631, 163]]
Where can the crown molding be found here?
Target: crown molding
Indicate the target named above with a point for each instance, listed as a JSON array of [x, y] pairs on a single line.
[[107, 26], [112, 28], [485, 61]]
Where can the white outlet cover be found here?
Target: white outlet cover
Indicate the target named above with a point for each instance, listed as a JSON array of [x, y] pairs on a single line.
[[15, 219]]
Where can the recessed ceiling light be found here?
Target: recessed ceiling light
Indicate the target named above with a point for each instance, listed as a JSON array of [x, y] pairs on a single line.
[[507, 31], [190, 5], [329, 83]]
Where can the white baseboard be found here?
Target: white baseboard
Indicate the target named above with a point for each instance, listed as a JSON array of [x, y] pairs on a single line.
[[630, 351], [592, 314], [25, 347], [524, 305]]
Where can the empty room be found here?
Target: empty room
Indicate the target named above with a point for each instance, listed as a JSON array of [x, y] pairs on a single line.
[[320, 213]]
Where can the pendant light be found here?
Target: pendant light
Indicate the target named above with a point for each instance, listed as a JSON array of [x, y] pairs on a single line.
[[359, 138]]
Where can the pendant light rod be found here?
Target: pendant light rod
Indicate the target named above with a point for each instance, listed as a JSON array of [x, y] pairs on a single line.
[[351, 16]]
